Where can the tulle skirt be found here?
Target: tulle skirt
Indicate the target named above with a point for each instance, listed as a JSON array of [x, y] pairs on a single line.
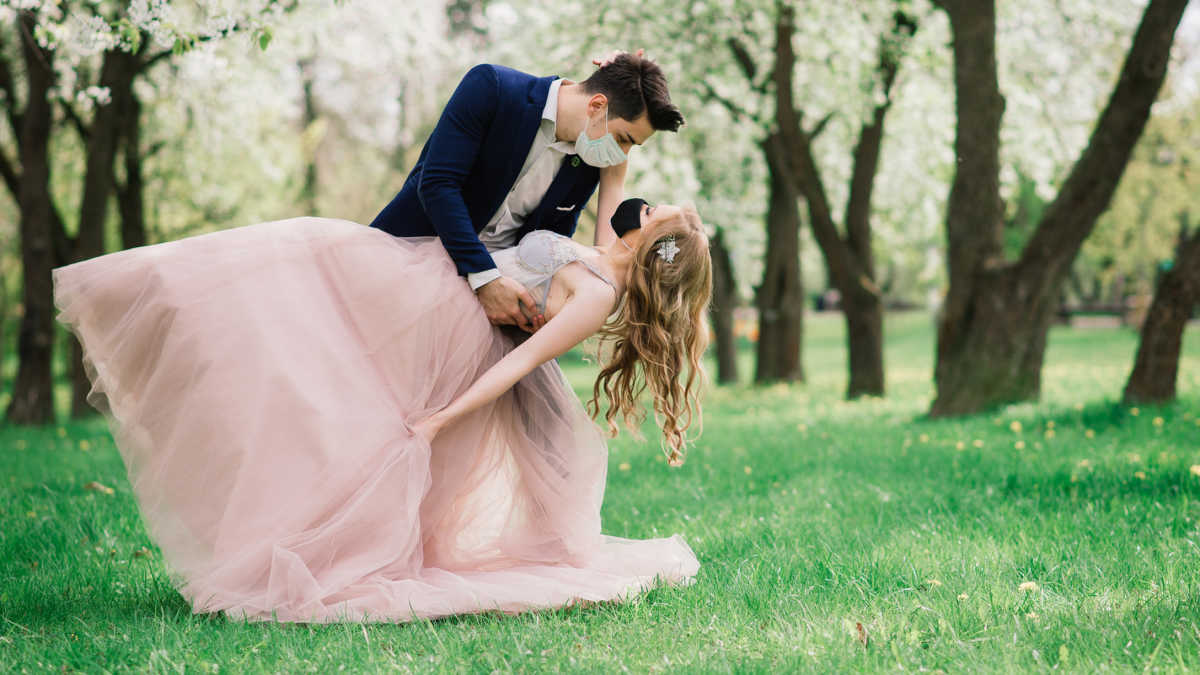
[[260, 382]]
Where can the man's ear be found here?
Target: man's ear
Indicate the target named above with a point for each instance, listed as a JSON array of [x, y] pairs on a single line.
[[596, 103]]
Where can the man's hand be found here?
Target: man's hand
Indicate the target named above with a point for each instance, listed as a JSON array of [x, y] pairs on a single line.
[[507, 302], [611, 57]]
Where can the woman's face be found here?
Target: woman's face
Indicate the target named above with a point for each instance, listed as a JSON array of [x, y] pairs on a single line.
[[653, 215]]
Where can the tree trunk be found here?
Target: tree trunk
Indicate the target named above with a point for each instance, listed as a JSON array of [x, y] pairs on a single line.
[[32, 398], [1156, 367], [310, 139], [116, 74], [864, 331], [993, 326], [780, 298], [849, 259], [130, 194], [724, 301]]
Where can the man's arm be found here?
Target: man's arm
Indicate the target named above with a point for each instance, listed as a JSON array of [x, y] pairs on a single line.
[[612, 191], [453, 147]]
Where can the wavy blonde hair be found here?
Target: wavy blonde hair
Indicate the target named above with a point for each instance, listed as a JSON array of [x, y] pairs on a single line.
[[660, 327]]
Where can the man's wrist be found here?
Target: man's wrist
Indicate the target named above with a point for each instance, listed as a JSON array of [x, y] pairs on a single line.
[[478, 279]]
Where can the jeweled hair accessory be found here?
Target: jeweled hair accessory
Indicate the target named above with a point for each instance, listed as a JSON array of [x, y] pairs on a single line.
[[667, 249]]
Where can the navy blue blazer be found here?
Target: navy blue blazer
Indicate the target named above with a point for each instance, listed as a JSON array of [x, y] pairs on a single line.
[[470, 162]]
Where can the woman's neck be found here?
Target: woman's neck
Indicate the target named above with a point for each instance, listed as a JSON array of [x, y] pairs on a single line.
[[618, 258]]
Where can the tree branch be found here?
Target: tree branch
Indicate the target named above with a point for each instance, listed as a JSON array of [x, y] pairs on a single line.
[[819, 127], [892, 46], [11, 180], [152, 59], [781, 73], [76, 121], [739, 112], [1086, 193], [743, 58], [10, 95]]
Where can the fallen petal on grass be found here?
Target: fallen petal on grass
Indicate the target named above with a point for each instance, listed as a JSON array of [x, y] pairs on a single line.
[[98, 487]]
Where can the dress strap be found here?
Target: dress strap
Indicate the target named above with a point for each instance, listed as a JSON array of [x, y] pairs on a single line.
[[565, 251], [597, 272]]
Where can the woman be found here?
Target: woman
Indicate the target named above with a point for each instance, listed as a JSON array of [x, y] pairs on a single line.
[[320, 423]]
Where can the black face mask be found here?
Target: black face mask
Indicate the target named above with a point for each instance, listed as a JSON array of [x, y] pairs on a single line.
[[628, 216]]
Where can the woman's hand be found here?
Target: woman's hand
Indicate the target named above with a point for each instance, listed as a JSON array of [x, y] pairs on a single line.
[[604, 61], [428, 428]]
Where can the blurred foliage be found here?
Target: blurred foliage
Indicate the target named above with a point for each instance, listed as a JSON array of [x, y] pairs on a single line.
[[1157, 196], [231, 142]]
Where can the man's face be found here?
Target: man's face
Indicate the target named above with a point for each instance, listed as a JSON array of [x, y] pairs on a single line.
[[628, 133]]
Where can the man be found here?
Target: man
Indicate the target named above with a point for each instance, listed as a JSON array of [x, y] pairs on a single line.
[[513, 153]]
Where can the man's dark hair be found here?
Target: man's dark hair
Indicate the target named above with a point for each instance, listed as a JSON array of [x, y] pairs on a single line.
[[635, 85]]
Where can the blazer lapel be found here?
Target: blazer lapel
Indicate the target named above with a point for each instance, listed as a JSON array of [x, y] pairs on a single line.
[[570, 174], [527, 129], [564, 180]]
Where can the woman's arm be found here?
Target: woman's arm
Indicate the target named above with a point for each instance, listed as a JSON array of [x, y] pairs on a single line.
[[612, 191], [580, 317]]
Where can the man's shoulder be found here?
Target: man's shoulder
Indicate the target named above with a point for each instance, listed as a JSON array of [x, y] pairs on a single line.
[[505, 76]]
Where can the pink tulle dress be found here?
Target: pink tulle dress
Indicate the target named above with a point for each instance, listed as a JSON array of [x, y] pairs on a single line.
[[259, 383]]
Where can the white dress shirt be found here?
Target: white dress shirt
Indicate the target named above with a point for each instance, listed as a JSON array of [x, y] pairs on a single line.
[[537, 173]]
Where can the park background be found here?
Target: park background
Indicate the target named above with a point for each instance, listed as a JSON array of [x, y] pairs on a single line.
[[1031, 506]]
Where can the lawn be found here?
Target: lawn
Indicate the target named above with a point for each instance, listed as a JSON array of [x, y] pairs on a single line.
[[832, 536]]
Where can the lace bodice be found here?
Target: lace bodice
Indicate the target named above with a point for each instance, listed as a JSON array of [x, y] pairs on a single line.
[[536, 258]]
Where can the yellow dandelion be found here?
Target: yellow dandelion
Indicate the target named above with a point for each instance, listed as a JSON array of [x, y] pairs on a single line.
[[1135, 412], [1158, 421], [924, 438], [1195, 469], [1140, 475], [747, 470], [1015, 426], [624, 466], [1028, 586], [1020, 445], [1049, 434], [960, 446], [1089, 433], [963, 596], [977, 443], [85, 446]]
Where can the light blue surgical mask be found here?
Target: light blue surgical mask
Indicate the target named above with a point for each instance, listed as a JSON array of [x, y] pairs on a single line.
[[600, 152]]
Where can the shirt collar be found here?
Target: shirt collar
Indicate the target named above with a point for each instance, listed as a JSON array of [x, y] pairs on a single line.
[[550, 115], [550, 112]]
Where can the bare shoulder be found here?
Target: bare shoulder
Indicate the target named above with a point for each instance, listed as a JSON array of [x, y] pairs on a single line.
[[578, 284]]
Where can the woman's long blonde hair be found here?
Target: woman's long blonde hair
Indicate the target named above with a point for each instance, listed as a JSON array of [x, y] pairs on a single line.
[[660, 325]]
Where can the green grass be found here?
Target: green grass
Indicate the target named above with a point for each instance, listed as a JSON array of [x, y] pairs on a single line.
[[810, 515]]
